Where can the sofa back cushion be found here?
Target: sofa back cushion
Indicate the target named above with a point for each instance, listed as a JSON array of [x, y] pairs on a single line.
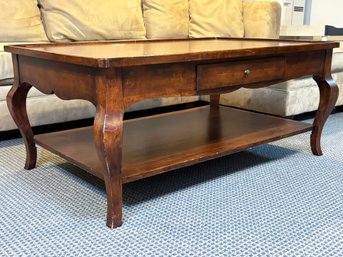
[[166, 19], [76, 20], [20, 21], [261, 19], [216, 18]]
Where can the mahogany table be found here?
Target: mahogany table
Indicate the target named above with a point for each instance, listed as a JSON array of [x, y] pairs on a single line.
[[114, 75]]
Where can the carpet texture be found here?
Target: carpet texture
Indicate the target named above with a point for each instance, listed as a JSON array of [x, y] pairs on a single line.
[[272, 200]]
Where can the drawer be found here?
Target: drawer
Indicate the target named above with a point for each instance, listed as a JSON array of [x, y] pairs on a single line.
[[221, 75]]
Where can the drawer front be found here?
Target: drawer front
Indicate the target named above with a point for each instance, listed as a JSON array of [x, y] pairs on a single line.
[[221, 75]]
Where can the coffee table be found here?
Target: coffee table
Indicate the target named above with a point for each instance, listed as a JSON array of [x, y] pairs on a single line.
[[114, 75]]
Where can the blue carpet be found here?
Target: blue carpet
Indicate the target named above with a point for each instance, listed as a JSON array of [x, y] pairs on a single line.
[[273, 200]]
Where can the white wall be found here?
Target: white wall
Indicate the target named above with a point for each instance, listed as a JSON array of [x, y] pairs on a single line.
[[327, 12]]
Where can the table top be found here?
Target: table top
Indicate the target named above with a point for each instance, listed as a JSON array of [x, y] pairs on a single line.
[[130, 53]]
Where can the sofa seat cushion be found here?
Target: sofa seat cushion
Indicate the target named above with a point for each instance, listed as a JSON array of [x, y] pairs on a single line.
[[6, 68], [216, 18], [32, 93], [337, 59], [20, 21], [166, 19], [48, 109], [92, 20]]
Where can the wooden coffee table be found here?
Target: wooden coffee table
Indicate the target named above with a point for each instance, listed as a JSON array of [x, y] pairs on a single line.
[[114, 75]]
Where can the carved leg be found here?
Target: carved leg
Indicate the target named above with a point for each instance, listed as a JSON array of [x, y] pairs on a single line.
[[16, 102], [108, 129], [328, 97]]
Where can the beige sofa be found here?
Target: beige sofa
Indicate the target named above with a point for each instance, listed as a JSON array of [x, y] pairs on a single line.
[[50, 20]]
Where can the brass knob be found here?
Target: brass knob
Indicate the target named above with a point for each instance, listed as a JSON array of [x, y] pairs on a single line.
[[247, 73]]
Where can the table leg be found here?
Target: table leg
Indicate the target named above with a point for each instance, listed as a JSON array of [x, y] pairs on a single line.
[[328, 96], [108, 130], [214, 100], [16, 102]]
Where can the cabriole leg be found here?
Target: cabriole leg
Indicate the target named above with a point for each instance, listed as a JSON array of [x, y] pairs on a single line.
[[16, 102], [108, 137], [328, 96]]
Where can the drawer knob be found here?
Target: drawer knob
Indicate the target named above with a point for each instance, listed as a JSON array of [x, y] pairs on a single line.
[[247, 73]]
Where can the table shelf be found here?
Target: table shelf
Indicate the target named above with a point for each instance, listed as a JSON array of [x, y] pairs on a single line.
[[160, 143]]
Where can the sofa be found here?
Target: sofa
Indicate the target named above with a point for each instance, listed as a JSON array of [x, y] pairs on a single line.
[[33, 21]]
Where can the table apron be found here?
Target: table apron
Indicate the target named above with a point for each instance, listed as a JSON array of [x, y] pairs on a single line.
[[166, 80]]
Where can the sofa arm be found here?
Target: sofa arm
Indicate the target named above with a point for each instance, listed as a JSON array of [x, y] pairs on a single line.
[[261, 19]]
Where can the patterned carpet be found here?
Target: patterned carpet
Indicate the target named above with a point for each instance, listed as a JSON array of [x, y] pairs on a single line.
[[273, 200]]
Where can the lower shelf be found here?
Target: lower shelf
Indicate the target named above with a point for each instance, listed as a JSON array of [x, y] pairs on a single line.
[[160, 143]]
